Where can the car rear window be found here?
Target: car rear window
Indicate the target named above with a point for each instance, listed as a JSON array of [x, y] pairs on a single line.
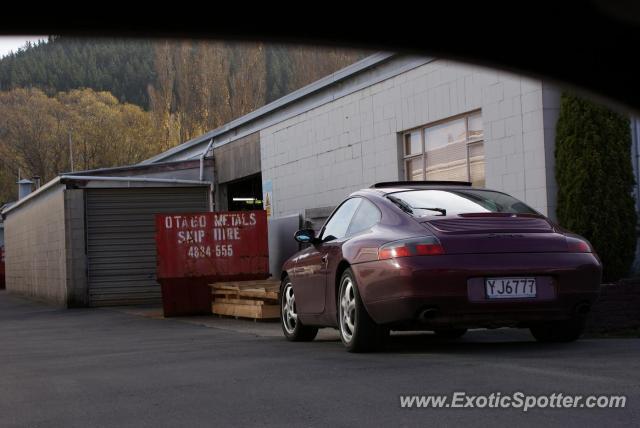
[[465, 201]]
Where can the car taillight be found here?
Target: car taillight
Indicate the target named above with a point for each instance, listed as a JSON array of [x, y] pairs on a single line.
[[575, 245], [427, 246]]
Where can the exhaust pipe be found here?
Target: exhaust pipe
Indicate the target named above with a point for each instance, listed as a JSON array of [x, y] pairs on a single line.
[[427, 313]]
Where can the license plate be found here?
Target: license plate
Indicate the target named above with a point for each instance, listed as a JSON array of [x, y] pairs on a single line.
[[510, 288]]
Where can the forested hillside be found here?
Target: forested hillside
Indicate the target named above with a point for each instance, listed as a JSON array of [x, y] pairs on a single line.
[[121, 101], [123, 67]]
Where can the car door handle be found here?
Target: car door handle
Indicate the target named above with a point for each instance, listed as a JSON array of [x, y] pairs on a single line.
[[325, 259]]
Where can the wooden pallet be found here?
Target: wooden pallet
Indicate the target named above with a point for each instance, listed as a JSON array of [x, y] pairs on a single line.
[[246, 299]]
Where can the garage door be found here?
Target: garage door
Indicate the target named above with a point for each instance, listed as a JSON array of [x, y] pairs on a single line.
[[121, 250]]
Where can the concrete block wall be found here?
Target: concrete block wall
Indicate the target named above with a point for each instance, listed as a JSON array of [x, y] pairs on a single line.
[[35, 255], [520, 139], [318, 157], [550, 113]]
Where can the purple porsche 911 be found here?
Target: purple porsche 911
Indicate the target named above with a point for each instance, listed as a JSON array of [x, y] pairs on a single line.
[[439, 256]]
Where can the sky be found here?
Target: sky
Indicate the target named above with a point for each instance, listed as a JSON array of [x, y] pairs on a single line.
[[13, 43]]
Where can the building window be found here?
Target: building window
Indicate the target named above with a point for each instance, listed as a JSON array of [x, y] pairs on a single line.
[[450, 150], [413, 153]]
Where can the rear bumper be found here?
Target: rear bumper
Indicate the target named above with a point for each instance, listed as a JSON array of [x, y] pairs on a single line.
[[397, 291]]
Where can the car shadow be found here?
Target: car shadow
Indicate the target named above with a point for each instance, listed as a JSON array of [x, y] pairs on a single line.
[[503, 340]]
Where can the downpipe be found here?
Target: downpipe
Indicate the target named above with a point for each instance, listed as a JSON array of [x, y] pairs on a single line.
[[212, 185], [202, 156]]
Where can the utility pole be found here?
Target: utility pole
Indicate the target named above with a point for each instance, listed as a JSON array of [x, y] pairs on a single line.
[[70, 152]]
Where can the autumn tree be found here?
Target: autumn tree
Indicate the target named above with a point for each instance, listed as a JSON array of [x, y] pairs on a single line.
[[161, 95], [310, 64], [31, 133], [201, 85], [35, 131]]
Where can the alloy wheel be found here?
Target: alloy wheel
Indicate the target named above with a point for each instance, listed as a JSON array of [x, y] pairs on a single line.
[[347, 310], [289, 315]]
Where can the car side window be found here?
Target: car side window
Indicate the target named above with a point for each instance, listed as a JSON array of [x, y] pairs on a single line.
[[339, 222], [365, 218]]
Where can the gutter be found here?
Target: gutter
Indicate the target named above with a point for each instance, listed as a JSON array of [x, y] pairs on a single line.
[[68, 178]]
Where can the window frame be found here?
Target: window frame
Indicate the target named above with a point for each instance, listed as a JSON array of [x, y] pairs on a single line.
[[422, 131], [406, 159], [469, 144]]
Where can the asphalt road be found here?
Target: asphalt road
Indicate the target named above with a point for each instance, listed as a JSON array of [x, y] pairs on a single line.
[[97, 367]]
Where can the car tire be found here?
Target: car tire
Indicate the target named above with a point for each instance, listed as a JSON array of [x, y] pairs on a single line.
[[358, 332], [450, 333], [558, 331], [292, 328]]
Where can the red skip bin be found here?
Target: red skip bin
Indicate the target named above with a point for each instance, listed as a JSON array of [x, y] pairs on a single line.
[[196, 249]]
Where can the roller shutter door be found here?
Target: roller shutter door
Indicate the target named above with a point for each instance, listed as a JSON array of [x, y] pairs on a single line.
[[121, 250]]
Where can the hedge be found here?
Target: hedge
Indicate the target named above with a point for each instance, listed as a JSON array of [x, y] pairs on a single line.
[[595, 181]]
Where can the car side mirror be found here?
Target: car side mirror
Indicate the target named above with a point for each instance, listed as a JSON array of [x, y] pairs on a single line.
[[305, 236]]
